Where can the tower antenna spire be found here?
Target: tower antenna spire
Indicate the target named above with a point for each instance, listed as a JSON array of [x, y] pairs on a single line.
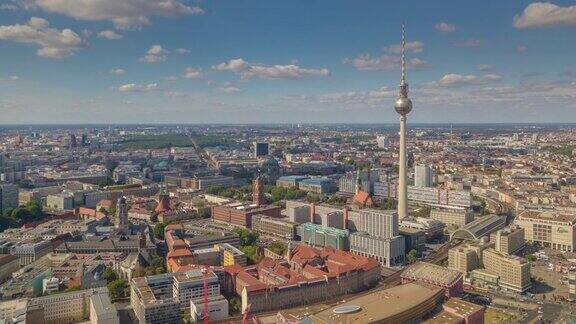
[[403, 79]]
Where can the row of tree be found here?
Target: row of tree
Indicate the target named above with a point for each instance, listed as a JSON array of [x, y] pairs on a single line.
[[16, 217]]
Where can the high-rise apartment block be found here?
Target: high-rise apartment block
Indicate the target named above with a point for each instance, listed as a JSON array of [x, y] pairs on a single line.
[[423, 176], [261, 149], [378, 237]]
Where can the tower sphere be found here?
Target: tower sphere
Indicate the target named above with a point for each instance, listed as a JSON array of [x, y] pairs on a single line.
[[403, 105]]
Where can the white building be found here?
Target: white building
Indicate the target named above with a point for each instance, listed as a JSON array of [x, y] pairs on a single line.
[[50, 285], [217, 308]]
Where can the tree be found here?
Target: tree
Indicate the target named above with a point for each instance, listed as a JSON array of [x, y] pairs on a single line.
[[110, 275], [235, 305], [277, 247], [154, 217], [116, 289], [159, 231], [412, 256], [531, 257], [247, 237]]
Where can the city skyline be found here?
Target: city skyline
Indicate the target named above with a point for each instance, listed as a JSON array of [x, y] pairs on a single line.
[[179, 61]]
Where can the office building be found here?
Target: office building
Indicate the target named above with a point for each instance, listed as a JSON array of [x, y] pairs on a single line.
[[260, 149], [439, 196], [323, 236], [8, 196], [298, 212], [161, 298], [508, 240], [463, 258], [423, 176], [102, 311], [380, 223], [72, 307], [241, 214], [452, 216], [414, 239], [513, 272], [274, 226], [550, 229], [388, 251], [190, 285], [217, 308]]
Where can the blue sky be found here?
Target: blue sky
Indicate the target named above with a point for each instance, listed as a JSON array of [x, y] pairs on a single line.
[[142, 61]]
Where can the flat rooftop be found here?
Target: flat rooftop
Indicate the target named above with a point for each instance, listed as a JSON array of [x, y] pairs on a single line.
[[462, 307], [551, 216], [381, 305], [432, 273]]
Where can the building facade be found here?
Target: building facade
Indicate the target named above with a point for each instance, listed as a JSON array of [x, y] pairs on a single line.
[[550, 229]]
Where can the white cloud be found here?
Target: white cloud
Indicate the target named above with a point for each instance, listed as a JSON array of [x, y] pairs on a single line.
[[414, 47], [364, 62], [248, 70], [132, 87], [117, 71], [230, 89], [53, 43], [545, 14], [183, 51], [171, 78], [10, 78], [191, 73], [454, 80], [109, 34], [123, 13], [484, 67], [445, 27], [155, 54], [468, 43]]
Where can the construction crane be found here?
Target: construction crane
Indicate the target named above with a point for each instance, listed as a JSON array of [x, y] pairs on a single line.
[[206, 310]]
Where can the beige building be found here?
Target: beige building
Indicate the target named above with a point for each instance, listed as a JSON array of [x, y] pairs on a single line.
[[463, 259], [551, 229], [508, 240], [274, 226], [457, 216], [513, 272]]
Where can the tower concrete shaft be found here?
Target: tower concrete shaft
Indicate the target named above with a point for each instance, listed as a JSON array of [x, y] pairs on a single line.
[[402, 185]]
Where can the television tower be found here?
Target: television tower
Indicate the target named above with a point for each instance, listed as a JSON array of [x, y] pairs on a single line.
[[403, 106]]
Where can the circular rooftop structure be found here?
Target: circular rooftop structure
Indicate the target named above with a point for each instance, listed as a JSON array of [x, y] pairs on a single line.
[[347, 309]]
